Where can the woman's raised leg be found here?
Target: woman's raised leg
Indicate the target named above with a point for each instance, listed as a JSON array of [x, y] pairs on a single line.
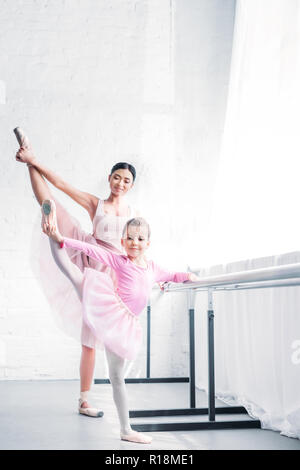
[[74, 274], [68, 268], [42, 192], [39, 186]]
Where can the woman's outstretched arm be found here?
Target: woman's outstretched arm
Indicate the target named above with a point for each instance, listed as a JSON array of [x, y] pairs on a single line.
[[86, 200]]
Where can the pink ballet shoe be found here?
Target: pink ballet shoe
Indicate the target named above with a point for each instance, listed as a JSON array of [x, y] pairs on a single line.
[[92, 412], [49, 222], [49, 213], [25, 153], [21, 137], [135, 436]]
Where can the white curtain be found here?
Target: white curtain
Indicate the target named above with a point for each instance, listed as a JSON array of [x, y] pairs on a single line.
[[257, 346], [257, 191], [256, 219]]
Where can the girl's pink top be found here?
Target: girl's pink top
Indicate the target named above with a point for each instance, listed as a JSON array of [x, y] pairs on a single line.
[[134, 283]]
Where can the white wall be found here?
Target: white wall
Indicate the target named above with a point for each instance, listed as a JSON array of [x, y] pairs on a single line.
[[93, 83]]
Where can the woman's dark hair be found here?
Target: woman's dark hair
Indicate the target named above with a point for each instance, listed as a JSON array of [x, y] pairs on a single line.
[[124, 166]]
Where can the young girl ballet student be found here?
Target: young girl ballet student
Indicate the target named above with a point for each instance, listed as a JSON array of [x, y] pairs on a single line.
[[112, 313]]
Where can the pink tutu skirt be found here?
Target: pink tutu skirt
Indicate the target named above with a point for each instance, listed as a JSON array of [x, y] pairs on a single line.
[[109, 319], [57, 288]]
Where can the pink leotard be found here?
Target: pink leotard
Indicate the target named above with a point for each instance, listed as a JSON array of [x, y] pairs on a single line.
[[134, 283]]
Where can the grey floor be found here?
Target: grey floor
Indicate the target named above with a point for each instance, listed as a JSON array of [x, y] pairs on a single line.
[[42, 415]]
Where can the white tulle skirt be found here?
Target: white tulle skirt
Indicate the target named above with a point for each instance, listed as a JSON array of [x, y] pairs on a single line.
[[109, 319], [57, 288]]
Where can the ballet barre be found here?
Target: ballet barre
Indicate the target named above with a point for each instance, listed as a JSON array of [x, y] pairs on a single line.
[[279, 276]]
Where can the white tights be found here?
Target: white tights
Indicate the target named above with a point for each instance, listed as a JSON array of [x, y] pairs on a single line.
[[116, 377], [115, 363]]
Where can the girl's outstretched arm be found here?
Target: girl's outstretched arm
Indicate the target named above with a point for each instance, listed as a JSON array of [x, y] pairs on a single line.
[[86, 200], [162, 275], [95, 251]]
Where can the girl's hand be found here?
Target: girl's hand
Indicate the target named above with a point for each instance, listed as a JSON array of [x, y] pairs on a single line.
[[52, 232], [193, 277], [25, 155], [161, 285]]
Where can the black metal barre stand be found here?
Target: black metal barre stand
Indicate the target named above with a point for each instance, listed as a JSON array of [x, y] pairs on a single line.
[[211, 411], [279, 276], [148, 378]]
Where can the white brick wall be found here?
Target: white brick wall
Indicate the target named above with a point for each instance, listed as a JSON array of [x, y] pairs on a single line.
[[95, 82]]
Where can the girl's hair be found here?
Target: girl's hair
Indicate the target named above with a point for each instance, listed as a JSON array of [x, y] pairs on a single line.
[[124, 166], [136, 222]]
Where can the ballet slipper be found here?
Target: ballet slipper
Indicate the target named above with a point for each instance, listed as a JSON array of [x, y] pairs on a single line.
[[137, 437], [49, 222], [92, 412], [21, 137], [49, 213], [24, 154]]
